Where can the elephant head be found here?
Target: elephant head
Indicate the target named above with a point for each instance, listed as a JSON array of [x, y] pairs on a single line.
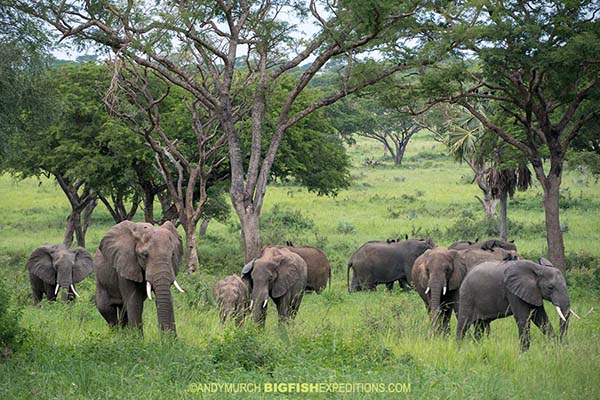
[[272, 274], [143, 253], [60, 266], [534, 283], [439, 270]]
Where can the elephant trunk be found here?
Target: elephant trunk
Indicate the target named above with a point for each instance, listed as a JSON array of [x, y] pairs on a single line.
[[435, 287], [563, 310], [164, 307], [259, 311], [65, 293]]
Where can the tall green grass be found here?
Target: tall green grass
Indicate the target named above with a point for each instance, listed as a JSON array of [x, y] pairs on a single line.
[[68, 351]]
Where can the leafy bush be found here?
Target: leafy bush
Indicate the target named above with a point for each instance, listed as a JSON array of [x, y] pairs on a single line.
[[11, 334], [346, 228], [242, 348], [279, 224]]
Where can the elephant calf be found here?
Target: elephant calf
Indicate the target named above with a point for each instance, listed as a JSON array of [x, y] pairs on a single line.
[[233, 298], [52, 267], [495, 290], [279, 274]]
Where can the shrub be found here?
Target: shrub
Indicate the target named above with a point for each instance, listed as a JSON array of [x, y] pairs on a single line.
[[242, 348], [11, 333], [346, 228]]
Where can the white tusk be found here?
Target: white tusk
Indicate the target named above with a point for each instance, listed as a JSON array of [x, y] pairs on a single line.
[[560, 314], [265, 303], [178, 287], [149, 290], [251, 303], [74, 291], [56, 289], [574, 313], [444, 291], [427, 290]]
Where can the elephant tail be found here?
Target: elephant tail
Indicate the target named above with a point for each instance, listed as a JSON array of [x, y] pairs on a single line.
[[348, 276]]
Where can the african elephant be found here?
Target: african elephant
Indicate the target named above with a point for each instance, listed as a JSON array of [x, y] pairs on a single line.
[[318, 268], [438, 273], [379, 262], [495, 290], [280, 274], [233, 298], [484, 245], [55, 266], [134, 259]]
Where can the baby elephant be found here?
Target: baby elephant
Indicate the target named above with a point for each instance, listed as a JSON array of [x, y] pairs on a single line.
[[498, 289], [233, 298], [52, 267]]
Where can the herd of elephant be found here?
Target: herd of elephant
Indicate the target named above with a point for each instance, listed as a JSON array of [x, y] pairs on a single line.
[[479, 281]]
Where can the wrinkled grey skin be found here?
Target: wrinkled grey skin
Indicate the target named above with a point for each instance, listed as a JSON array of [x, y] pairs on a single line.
[[129, 255], [233, 299], [495, 290], [484, 245], [52, 265], [377, 262], [279, 274], [317, 264], [441, 267]]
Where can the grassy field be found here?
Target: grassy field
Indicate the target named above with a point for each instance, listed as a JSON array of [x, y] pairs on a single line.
[[379, 338]]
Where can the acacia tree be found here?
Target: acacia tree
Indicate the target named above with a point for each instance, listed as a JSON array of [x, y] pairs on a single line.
[[539, 64], [195, 46], [182, 170]]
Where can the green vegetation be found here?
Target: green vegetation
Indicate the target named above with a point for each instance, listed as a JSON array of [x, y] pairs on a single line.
[[379, 337]]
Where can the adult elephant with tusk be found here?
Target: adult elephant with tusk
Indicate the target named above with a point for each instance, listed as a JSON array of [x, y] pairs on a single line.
[[495, 290], [52, 267], [438, 273], [279, 274], [133, 260]]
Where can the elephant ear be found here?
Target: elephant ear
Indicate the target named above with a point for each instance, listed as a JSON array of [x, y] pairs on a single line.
[[521, 280], [118, 249], [459, 270], [418, 275], [177, 243], [40, 264], [289, 270], [84, 264]]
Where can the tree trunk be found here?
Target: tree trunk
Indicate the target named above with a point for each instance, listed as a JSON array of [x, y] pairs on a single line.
[[503, 216], [204, 227], [87, 214], [554, 236], [70, 227], [191, 251], [250, 234], [148, 207]]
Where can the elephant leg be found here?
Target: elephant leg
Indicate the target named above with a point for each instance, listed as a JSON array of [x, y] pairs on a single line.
[[108, 311], [479, 329], [295, 306], [446, 315], [37, 288], [462, 327], [283, 307], [404, 285], [540, 319], [135, 308], [522, 313], [49, 289], [487, 327], [390, 286]]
